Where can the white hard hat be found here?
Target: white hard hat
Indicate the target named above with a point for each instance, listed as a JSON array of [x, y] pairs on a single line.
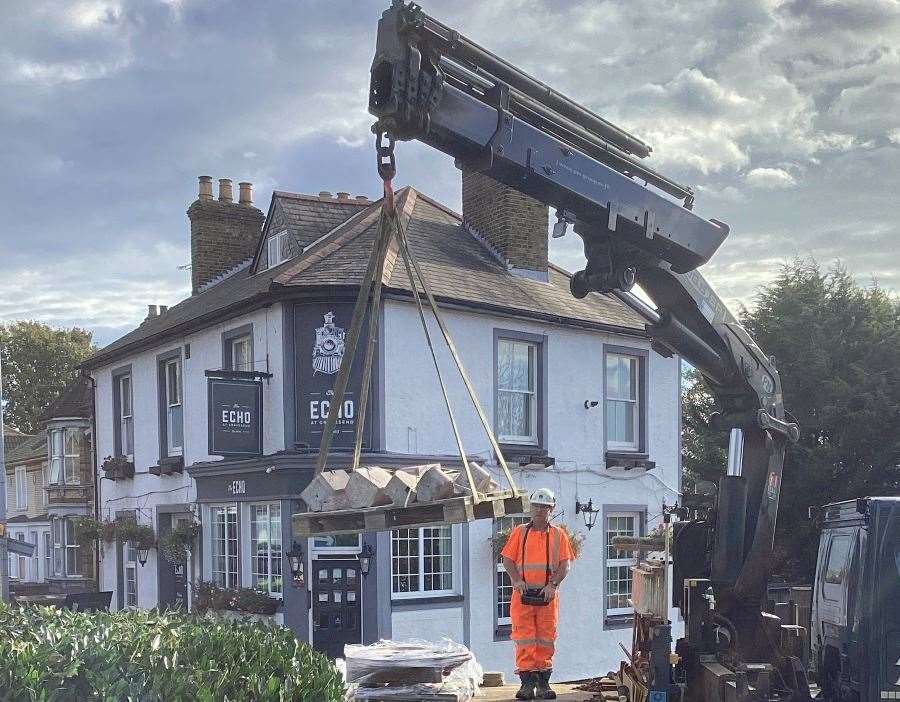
[[543, 496]]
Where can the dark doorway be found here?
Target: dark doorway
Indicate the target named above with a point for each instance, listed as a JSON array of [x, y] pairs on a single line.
[[172, 576], [335, 605]]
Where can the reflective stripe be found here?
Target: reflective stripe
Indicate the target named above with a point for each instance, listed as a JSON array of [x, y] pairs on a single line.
[[544, 643], [535, 566]]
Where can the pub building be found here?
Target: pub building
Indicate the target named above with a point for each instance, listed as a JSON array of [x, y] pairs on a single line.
[[211, 412]]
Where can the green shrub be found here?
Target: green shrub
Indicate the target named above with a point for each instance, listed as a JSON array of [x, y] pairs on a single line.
[[236, 599], [49, 654]]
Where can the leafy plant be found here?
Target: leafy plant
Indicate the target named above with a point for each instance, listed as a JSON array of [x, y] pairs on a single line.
[[177, 544], [55, 655], [117, 467], [140, 535], [576, 541], [209, 596], [88, 530]]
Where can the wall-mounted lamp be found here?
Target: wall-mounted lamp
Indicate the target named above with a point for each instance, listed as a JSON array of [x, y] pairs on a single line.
[[143, 553], [589, 404], [296, 561], [366, 556], [589, 511]]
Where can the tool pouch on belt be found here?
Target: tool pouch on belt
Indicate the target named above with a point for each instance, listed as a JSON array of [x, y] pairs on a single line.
[[532, 595]]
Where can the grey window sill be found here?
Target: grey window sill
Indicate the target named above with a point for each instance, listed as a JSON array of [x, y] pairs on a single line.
[[414, 602], [617, 621], [629, 460]]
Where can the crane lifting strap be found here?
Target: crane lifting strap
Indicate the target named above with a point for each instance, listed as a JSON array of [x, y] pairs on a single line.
[[368, 302]]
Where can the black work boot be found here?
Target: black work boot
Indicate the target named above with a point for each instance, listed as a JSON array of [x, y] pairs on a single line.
[[543, 691], [529, 680]]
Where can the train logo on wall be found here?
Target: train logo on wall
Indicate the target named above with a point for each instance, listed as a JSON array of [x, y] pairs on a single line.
[[329, 347]]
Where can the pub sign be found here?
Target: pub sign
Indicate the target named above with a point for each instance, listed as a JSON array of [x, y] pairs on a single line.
[[321, 330], [235, 417]]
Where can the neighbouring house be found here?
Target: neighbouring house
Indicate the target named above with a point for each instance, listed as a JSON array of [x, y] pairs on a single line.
[[50, 482], [13, 437], [212, 410]]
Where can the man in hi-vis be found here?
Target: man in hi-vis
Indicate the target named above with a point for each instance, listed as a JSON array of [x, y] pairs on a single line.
[[536, 557]]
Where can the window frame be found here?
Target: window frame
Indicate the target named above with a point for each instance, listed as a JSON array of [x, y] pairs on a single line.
[[641, 357], [617, 617], [538, 342], [421, 593], [47, 540], [173, 368], [501, 579], [120, 433], [278, 239], [164, 362], [21, 479], [229, 338], [129, 576], [45, 479], [250, 564], [63, 476], [231, 579], [62, 530]]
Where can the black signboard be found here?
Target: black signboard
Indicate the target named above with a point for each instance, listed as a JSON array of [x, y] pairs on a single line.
[[321, 330], [235, 417]]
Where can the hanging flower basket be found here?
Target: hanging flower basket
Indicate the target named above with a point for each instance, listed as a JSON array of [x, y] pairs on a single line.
[[140, 535], [117, 467], [178, 543], [576, 541]]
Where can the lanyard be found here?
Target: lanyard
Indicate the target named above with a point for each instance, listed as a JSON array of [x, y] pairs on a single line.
[[525, 540]]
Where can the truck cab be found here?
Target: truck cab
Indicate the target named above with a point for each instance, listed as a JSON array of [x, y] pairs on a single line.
[[855, 618]]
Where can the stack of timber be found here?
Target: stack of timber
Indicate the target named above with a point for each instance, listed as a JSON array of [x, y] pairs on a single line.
[[374, 498]]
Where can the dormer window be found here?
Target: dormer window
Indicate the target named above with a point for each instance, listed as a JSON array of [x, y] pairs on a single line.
[[64, 457], [277, 248]]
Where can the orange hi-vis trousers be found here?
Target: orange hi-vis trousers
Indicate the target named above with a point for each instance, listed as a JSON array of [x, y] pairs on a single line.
[[534, 633]]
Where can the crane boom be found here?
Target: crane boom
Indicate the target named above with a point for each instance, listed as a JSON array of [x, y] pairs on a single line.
[[431, 84]]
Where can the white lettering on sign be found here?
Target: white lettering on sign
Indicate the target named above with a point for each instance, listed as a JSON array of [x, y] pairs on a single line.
[[318, 409], [237, 487], [236, 417]]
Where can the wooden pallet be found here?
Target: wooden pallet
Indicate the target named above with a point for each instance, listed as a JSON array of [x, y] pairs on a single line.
[[454, 510]]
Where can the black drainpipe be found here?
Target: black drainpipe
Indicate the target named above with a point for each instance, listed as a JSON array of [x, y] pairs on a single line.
[[87, 376]]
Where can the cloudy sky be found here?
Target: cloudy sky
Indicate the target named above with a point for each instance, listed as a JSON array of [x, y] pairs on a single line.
[[785, 116]]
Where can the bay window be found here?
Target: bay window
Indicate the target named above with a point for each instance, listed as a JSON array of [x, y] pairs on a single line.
[[66, 551], [64, 456]]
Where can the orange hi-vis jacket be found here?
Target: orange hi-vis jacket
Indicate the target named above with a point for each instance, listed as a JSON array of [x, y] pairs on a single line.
[[534, 627]]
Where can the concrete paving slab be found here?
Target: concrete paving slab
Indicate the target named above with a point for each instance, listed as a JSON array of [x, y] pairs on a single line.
[[507, 693]]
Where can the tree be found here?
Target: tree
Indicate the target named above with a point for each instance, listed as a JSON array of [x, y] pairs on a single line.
[[837, 348], [38, 363]]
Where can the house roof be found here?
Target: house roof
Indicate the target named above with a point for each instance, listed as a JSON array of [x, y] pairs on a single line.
[[75, 401], [33, 447], [459, 267]]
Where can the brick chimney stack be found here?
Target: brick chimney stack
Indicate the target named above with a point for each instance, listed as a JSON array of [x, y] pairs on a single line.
[[514, 224], [223, 232]]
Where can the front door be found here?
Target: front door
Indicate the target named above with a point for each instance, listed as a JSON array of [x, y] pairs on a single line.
[[336, 605], [172, 576]]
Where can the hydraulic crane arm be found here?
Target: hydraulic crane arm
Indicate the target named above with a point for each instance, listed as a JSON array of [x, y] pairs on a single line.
[[431, 84]]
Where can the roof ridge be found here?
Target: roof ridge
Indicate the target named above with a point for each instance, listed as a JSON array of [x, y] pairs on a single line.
[[316, 198], [405, 211], [225, 274]]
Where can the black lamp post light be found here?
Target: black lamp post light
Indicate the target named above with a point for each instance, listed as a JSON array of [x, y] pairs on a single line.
[[589, 511], [143, 552], [366, 556]]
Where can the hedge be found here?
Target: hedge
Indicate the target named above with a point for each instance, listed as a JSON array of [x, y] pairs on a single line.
[[55, 654]]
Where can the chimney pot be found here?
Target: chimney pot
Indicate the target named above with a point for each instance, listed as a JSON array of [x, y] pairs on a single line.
[[152, 311], [163, 309], [246, 194], [343, 196], [205, 188], [362, 198], [225, 194], [324, 193]]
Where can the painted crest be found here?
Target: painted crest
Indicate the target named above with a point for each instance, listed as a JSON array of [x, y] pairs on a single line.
[[329, 348]]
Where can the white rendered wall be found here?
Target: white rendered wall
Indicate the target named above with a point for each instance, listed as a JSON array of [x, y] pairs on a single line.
[[146, 491], [431, 624], [416, 421]]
